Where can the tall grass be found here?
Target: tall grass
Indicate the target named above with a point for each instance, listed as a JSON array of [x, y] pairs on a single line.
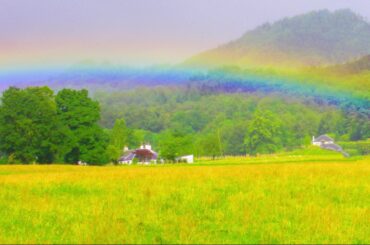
[[310, 202]]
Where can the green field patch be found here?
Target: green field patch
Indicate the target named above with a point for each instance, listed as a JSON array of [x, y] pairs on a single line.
[[6, 172], [66, 189]]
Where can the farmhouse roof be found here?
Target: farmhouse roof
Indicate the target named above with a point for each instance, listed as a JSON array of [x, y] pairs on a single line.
[[333, 147], [323, 137], [141, 153], [146, 153], [128, 156]]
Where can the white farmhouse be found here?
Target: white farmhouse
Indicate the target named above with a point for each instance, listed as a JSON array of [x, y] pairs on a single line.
[[322, 140], [325, 142], [144, 154]]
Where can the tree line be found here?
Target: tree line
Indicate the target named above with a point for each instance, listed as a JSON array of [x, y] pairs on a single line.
[[189, 120], [39, 126]]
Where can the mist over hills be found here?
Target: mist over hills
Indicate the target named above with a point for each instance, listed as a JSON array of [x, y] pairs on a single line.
[[320, 38], [353, 67], [98, 77], [313, 39]]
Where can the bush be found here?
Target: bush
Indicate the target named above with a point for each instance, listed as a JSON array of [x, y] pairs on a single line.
[[352, 152], [135, 160], [3, 160], [357, 147]]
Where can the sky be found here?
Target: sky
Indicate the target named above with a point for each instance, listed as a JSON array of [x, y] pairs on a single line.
[[142, 32]]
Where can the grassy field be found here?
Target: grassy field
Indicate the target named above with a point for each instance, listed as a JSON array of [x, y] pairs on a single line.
[[275, 199]]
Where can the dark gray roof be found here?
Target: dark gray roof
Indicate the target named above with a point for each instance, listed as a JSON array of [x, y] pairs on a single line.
[[323, 137], [139, 153], [333, 147], [127, 157]]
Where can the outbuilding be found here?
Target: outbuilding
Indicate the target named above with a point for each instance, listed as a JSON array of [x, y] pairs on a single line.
[[187, 159]]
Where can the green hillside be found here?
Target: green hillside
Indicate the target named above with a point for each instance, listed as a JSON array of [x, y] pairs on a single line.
[[316, 38]]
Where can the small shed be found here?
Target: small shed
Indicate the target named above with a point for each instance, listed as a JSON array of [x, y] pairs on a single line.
[[187, 159]]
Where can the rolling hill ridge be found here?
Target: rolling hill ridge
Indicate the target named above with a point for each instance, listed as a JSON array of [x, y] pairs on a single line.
[[313, 39]]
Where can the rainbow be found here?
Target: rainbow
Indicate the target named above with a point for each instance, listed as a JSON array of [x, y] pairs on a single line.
[[323, 88]]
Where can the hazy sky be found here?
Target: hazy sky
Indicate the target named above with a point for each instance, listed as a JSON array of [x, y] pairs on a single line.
[[41, 32]]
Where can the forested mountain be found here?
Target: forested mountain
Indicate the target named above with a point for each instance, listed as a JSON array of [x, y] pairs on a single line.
[[316, 38], [200, 122]]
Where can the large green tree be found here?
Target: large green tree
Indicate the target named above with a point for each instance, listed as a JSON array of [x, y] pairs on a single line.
[[80, 114], [173, 144], [29, 127], [118, 139], [358, 126], [209, 144], [263, 134]]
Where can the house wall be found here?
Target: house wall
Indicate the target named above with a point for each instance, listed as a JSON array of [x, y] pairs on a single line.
[[188, 159], [320, 143], [125, 162]]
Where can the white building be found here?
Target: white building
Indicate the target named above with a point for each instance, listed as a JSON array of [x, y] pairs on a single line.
[[327, 143], [187, 159], [322, 140], [146, 146], [144, 154]]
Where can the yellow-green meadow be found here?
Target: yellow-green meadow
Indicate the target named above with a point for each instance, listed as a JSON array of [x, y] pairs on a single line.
[[236, 200]]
